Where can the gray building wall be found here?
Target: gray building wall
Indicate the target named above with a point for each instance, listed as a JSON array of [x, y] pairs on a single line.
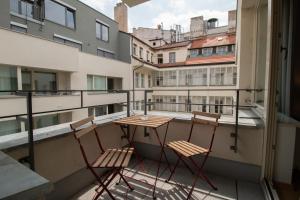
[[84, 32]]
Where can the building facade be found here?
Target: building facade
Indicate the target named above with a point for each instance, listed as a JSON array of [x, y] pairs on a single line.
[[46, 46]]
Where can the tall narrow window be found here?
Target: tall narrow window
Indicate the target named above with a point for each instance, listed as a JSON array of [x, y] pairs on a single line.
[[172, 57], [135, 49], [148, 60], [102, 32], [26, 80], [160, 59], [8, 78], [137, 80], [141, 53], [142, 81]]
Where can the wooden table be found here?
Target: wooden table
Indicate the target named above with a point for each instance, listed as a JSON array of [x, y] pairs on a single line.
[[149, 121]]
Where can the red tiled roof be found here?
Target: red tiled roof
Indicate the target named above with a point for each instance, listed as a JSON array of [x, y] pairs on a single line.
[[210, 60], [212, 41]]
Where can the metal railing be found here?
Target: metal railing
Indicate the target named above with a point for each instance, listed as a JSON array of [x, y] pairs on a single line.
[[31, 93]]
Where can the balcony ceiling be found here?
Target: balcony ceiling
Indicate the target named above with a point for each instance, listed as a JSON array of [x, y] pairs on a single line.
[[132, 3]]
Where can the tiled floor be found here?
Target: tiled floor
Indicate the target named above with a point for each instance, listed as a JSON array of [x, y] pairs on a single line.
[[176, 188]]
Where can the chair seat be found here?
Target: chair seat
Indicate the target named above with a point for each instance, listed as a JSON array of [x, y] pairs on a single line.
[[114, 158], [187, 149]]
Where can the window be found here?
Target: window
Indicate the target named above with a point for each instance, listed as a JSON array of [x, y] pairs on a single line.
[[154, 43], [194, 53], [135, 49], [95, 82], [8, 78], [46, 120], [137, 80], [104, 53], [102, 32], [223, 76], [151, 59], [45, 81], [141, 53], [142, 81], [160, 59], [9, 127], [26, 80], [193, 77], [218, 102], [77, 45], [198, 103], [60, 14], [231, 48], [149, 81], [98, 111], [18, 28], [207, 51], [22, 7], [148, 60], [222, 50], [158, 79], [172, 57]]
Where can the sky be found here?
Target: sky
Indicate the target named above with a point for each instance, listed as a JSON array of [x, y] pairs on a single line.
[[168, 12]]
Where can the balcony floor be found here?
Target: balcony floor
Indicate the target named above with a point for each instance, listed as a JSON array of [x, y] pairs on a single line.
[[227, 188]]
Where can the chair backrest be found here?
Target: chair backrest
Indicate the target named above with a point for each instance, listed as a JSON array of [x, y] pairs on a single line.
[[88, 127], [208, 119]]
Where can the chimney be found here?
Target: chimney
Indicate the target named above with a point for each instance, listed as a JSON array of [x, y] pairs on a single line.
[[232, 19], [121, 16]]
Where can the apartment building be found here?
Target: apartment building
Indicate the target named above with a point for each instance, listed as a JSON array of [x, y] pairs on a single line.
[[45, 45], [206, 64]]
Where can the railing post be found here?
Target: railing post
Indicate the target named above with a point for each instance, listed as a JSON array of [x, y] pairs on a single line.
[[236, 129], [30, 131], [188, 101], [146, 134], [81, 98], [128, 103]]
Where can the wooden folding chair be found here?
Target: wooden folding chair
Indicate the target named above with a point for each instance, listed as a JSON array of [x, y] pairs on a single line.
[[113, 159], [187, 150]]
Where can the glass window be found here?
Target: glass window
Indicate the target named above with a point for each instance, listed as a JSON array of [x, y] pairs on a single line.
[[22, 7], [98, 111], [95, 82], [18, 28], [142, 81], [160, 59], [68, 42], [26, 80], [141, 53], [14, 6], [8, 78], [137, 80], [149, 81], [60, 14], [135, 49], [207, 51], [45, 81], [172, 57], [71, 19], [9, 127], [105, 54], [46, 120], [148, 60], [194, 53], [102, 32], [222, 50]]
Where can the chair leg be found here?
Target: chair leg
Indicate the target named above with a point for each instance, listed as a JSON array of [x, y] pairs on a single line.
[[173, 170], [122, 177], [104, 186]]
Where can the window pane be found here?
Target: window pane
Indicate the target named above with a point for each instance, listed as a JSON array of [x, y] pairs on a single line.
[[26, 80], [18, 29], [9, 127], [90, 82], [104, 33], [100, 110], [45, 81], [47, 120], [70, 19], [8, 78], [55, 12], [74, 44], [98, 30], [14, 6], [99, 83]]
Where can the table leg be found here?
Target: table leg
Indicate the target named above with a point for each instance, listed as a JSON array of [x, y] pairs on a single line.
[[162, 151], [130, 143]]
